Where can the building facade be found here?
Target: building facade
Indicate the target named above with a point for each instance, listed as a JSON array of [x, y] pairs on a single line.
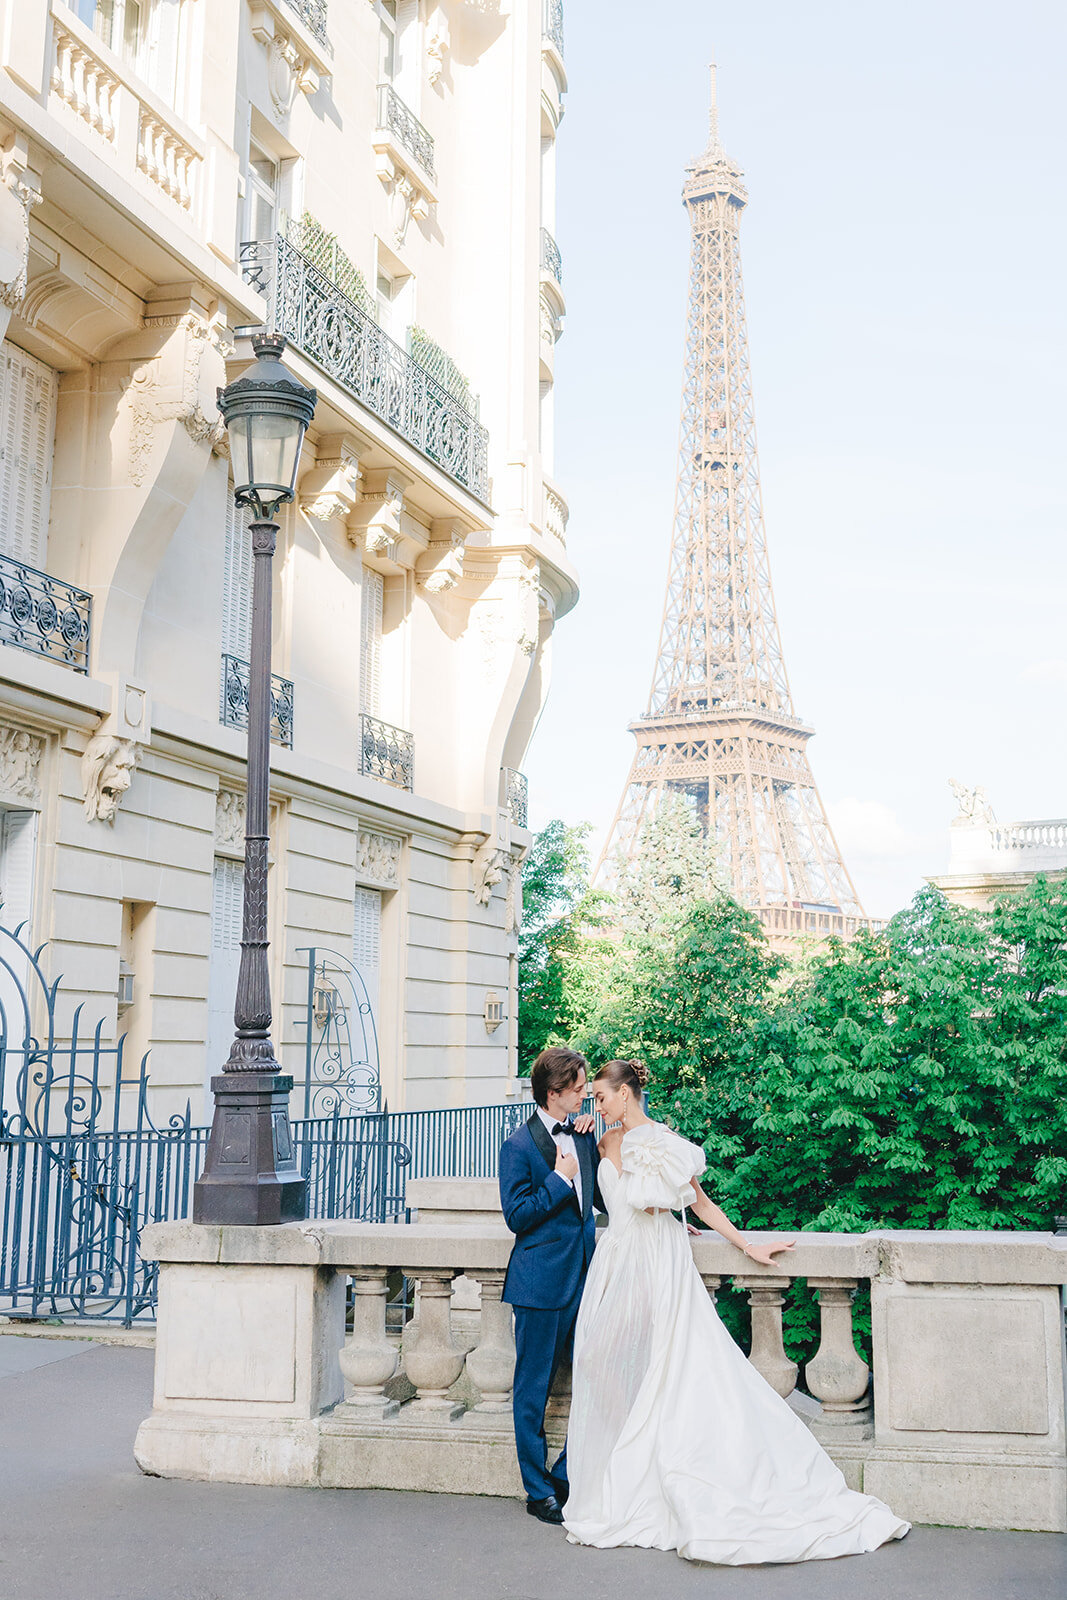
[[375, 179], [988, 858]]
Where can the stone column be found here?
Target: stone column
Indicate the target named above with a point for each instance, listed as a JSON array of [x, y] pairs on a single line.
[[837, 1374], [491, 1364], [765, 1296], [368, 1360], [430, 1360], [712, 1282]]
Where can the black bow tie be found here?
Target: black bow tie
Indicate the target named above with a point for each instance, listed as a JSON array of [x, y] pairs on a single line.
[[563, 1127]]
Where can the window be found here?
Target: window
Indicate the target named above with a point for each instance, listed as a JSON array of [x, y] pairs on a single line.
[[367, 943], [261, 194], [227, 893], [237, 581], [148, 34], [370, 642], [27, 434], [388, 43]]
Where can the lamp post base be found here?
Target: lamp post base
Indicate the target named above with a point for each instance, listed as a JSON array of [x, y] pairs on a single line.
[[250, 1173]]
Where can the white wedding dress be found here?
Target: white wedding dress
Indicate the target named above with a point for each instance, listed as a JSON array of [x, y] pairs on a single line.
[[675, 1441]]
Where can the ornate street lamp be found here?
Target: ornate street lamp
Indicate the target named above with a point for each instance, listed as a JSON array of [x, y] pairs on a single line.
[[250, 1173]]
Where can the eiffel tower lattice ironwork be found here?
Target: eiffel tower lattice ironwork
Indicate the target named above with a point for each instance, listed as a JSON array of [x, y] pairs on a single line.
[[720, 725]]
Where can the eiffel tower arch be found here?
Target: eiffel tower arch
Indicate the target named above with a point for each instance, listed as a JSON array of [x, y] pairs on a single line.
[[720, 725]]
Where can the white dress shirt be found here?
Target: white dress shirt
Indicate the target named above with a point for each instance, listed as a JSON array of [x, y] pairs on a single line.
[[564, 1142]]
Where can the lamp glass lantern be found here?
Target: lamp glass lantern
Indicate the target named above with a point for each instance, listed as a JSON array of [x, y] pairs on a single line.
[[267, 413]]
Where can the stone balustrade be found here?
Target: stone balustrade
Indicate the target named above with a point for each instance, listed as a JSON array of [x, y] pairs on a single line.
[[276, 1362], [106, 95]]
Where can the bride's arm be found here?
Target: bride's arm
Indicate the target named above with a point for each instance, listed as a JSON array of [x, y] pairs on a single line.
[[716, 1218]]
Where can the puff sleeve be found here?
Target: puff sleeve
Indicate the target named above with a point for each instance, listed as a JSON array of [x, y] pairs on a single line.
[[658, 1167]]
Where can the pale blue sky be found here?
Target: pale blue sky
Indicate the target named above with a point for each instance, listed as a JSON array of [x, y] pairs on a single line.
[[904, 260]]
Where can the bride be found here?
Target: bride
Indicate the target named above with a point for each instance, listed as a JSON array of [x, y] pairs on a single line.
[[675, 1441]]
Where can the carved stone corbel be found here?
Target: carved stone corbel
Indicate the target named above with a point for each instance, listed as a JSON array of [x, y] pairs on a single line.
[[376, 525], [487, 869], [329, 491], [440, 566], [21, 193], [175, 385]]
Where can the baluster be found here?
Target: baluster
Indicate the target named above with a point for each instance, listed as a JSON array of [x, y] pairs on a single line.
[[837, 1374], [431, 1361], [491, 1363], [79, 85], [368, 1360], [712, 1283], [765, 1296]]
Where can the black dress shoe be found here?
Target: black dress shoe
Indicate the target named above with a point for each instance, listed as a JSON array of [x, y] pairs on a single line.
[[546, 1510], [560, 1488]]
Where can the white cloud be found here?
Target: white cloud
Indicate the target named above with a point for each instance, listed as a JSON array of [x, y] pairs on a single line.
[[1053, 672], [870, 828]]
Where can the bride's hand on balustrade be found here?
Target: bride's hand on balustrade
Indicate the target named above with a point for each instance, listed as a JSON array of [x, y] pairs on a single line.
[[764, 1254]]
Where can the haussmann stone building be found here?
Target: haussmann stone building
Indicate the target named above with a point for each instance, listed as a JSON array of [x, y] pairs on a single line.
[[375, 179]]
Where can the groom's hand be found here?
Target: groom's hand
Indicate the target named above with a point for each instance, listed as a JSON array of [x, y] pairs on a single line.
[[585, 1123], [566, 1165]]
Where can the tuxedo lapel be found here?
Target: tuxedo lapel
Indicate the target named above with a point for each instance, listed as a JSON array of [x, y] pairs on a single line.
[[544, 1141], [585, 1162]]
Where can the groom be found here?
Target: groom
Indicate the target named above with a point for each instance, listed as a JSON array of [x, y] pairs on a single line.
[[547, 1192]]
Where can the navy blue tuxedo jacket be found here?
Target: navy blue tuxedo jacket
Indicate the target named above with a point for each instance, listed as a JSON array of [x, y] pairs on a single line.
[[554, 1235]]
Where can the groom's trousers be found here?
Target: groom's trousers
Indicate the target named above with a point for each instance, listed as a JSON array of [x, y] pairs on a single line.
[[542, 1340]]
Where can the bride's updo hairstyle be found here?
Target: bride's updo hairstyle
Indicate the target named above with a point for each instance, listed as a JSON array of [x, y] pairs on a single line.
[[632, 1075]]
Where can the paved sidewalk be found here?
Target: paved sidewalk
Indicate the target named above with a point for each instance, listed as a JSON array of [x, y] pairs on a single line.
[[79, 1519]]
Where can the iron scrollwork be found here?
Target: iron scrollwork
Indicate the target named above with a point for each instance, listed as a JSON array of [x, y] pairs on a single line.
[[386, 752], [43, 614], [234, 708]]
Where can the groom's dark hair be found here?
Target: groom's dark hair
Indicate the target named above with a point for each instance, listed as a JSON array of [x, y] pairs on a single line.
[[555, 1069]]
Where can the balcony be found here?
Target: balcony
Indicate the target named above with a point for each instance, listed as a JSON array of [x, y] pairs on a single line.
[[346, 342], [397, 119], [100, 90], [516, 797], [552, 24], [234, 708], [44, 615], [312, 14], [551, 260], [386, 752]]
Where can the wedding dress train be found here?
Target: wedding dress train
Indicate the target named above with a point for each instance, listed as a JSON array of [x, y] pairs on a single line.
[[675, 1441]]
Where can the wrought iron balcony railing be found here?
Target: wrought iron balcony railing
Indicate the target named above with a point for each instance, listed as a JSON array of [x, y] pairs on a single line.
[[516, 795], [234, 708], [349, 346], [399, 120], [551, 260], [386, 752], [552, 23], [312, 14], [44, 615]]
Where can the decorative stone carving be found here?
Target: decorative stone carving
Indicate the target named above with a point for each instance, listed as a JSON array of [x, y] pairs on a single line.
[[513, 895], [229, 823], [378, 859], [377, 521], [289, 66], [437, 43], [440, 566], [973, 803], [331, 489], [149, 407], [20, 764], [488, 869], [24, 196], [107, 772]]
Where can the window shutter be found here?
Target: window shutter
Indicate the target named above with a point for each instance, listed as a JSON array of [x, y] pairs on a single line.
[[27, 435], [367, 941], [237, 582], [227, 900], [370, 652], [18, 842]]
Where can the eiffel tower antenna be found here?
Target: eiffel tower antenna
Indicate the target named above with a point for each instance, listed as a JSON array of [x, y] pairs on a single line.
[[720, 725]]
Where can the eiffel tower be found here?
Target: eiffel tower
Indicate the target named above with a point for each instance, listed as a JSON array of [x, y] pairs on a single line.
[[720, 725]]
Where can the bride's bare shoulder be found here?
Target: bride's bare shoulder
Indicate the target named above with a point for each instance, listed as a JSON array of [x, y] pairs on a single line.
[[610, 1143]]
